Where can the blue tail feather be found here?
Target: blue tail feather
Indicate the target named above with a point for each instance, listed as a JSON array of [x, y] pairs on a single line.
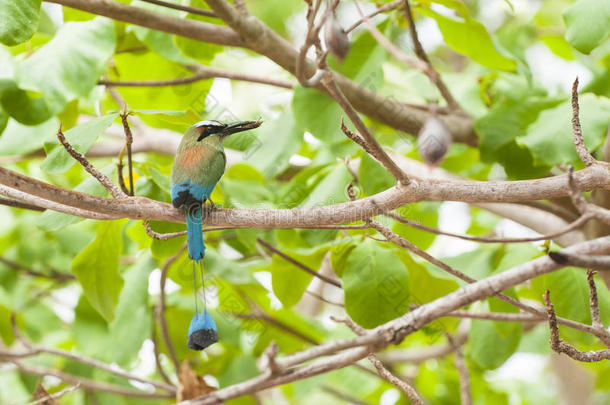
[[194, 234]]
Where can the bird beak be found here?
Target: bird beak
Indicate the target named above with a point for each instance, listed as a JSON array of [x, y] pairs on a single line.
[[240, 126]]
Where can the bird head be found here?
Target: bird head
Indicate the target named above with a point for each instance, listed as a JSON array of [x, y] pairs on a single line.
[[210, 128]]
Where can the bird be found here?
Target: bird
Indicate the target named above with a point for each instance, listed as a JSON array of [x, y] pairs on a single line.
[[199, 164]]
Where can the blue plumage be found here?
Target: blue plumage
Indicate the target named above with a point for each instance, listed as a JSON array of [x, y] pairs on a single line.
[[199, 163], [191, 196], [202, 331]]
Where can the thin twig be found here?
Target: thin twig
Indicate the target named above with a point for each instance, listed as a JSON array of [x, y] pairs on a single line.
[[155, 341], [56, 395], [496, 316], [192, 10], [392, 379], [99, 176], [581, 203], [321, 298], [384, 8], [568, 228], [593, 302], [376, 150], [400, 241], [579, 143], [202, 73], [52, 275], [312, 38], [128, 143], [298, 264], [562, 347], [422, 64], [343, 396], [34, 349], [87, 383], [357, 329], [462, 369], [161, 310]]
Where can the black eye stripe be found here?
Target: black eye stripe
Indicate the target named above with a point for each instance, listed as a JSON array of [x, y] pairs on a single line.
[[207, 130]]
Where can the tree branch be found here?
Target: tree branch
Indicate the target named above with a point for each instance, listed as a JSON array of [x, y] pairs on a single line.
[[405, 387], [112, 188], [579, 143], [201, 73], [88, 206], [298, 264], [562, 347]]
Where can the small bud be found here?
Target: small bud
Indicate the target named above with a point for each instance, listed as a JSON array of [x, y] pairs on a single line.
[[336, 38], [433, 141]]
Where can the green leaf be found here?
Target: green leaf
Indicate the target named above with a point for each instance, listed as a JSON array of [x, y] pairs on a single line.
[[425, 213], [376, 285], [331, 190], [151, 66], [550, 138], [372, 176], [271, 150], [97, 268], [69, 65], [18, 139], [170, 113], [290, 282], [18, 20], [131, 325], [470, 38], [81, 138], [488, 347], [587, 23], [318, 114]]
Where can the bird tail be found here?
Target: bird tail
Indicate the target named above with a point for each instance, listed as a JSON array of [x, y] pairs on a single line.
[[194, 232]]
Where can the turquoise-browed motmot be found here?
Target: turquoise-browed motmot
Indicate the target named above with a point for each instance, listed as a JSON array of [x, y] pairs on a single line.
[[198, 165]]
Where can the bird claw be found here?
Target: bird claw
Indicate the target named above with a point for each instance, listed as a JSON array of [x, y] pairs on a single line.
[[211, 205]]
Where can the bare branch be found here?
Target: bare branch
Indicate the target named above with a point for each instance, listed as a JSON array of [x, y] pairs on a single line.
[[192, 10], [586, 262], [462, 369], [128, 143], [392, 379], [160, 310], [422, 64], [579, 143], [593, 302], [56, 395], [34, 349], [88, 206], [582, 205], [99, 176], [86, 383], [18, 204], [562, 347], [398, 240], [570, 227], [52, 275], [202, 73], [382, 9], [376, 150]]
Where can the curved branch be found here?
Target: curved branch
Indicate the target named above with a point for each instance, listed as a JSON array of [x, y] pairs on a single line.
[[249, 32], [202, 73], [439, 190]]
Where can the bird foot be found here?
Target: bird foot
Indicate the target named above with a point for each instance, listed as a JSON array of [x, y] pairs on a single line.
[[211, 205]]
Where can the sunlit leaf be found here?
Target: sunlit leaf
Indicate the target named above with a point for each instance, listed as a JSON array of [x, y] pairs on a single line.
[[97, 269], [376, 285], [18, 20]]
